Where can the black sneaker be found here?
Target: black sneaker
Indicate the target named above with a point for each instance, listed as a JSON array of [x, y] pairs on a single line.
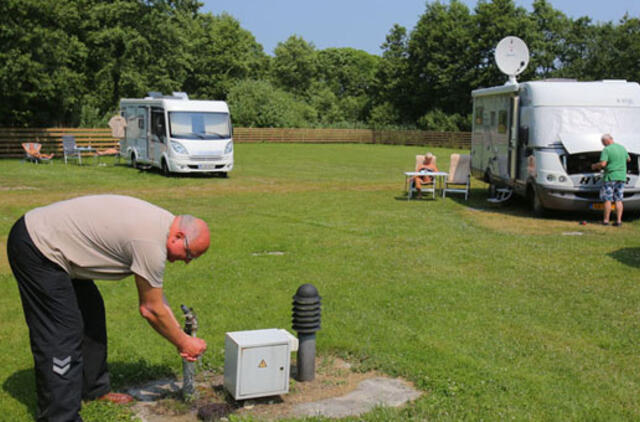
[[605, 223], [617, 224]]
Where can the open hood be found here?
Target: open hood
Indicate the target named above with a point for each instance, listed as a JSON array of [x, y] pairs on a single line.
[[576, 143]]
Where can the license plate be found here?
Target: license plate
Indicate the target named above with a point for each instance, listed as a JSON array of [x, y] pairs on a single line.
[[600, 206]]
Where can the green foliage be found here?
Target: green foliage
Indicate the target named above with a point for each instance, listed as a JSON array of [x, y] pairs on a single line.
[[222, 54], [294, 65], [41, 62], [383, 115], [441, 66], [260, 104], [69, 62], [437, 120]]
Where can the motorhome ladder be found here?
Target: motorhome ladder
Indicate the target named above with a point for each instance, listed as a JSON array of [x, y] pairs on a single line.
[[502, 195]]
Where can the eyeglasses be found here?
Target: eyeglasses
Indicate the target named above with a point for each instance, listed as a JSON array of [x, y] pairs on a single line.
[[186, 249]]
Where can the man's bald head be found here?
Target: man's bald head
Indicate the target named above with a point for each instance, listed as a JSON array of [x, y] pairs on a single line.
[[197, 233], [189, 237]]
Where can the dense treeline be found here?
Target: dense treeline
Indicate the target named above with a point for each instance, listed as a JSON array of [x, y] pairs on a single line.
[[68, 62]]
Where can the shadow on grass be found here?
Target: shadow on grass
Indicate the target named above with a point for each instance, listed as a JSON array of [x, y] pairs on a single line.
[[196, 175], [21, 384], [520, 207], [627, 256]]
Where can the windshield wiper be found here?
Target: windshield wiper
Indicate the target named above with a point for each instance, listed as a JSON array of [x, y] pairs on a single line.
[[188, 135], [216, 134]]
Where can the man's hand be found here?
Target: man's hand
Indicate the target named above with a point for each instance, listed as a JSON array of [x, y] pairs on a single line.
[[191, 348]]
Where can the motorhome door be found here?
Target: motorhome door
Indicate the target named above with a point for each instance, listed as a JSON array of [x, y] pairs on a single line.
[[141, 139], [158, 138]]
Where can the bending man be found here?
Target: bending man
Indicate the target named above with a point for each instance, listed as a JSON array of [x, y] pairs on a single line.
[[56, 251]]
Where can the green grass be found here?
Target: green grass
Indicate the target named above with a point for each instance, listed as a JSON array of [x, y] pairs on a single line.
[[493, 314]]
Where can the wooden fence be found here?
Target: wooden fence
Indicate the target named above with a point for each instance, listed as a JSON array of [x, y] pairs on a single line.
[[51, 139]]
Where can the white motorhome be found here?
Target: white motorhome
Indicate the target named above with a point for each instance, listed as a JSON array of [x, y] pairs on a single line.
[[177, 135], [539, 139]]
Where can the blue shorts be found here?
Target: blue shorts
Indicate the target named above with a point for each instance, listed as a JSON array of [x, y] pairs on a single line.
[[611, 191]]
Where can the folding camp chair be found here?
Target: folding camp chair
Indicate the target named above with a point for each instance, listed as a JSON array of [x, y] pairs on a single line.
[[33, 154], [71, 150], [426, 186], [458, 180]]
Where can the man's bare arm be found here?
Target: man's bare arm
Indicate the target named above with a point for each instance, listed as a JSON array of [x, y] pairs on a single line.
[[154, 308]]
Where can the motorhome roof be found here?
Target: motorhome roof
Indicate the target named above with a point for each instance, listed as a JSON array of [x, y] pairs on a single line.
[[180, 105], [607, 93]]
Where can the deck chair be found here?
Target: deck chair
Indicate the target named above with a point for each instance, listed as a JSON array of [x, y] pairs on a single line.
[[427, 187], [70, 149], [458, 180], [33, 154], [109, 152]]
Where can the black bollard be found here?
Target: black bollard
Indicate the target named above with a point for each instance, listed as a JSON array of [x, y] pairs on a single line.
[[306, 321]]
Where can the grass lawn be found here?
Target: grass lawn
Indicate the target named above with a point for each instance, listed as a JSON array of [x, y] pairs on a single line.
[[493, 314]]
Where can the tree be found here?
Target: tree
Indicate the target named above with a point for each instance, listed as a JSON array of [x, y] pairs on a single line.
[[391, 93], [440, 62], [222, 54], [42, 72], [548, 40], [260, 104], [294, 65], [494, 20]]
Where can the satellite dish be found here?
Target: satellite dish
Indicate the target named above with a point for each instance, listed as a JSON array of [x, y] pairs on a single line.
[[512, 56]]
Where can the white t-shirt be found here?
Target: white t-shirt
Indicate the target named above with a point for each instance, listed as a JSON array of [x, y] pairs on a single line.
[[105, 237]]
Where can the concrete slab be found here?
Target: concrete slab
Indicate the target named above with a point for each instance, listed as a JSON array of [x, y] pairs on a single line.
[[155, 390], [369, 393]]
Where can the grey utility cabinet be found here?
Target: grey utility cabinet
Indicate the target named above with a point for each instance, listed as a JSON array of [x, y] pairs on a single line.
[[256, 363]]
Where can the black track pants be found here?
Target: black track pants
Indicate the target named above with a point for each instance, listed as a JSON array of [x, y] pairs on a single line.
[[67, 330]]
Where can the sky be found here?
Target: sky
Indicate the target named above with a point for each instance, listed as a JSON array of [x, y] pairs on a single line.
[[363, 24]]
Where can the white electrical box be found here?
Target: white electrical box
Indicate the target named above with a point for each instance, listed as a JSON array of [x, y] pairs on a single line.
[[256, 363]]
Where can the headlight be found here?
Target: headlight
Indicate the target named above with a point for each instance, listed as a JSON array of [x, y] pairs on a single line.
[[562, 179], [179, 148], [229, 148], [551, 177]]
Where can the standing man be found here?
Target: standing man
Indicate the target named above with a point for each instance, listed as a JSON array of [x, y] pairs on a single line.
[[613, 160], [56, 251]]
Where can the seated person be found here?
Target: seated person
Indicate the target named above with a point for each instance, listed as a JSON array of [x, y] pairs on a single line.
[[428, 165]]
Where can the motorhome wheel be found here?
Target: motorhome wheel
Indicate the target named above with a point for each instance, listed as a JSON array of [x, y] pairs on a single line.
[[134, 164], [165, 168]]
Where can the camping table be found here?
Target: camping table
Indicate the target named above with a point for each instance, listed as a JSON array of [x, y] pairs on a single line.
[[88, 149], [438, 179]]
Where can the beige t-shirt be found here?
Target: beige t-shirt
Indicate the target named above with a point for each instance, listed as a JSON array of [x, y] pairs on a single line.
[[106, 237], [117, 124]]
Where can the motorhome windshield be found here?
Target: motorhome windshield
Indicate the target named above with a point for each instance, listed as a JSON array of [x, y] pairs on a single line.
[[199, 125]]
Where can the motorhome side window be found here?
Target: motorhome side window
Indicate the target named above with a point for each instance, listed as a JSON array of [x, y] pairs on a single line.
[[479, 116], [199, 125], [502, 121], [493, 119], [158, 126]]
